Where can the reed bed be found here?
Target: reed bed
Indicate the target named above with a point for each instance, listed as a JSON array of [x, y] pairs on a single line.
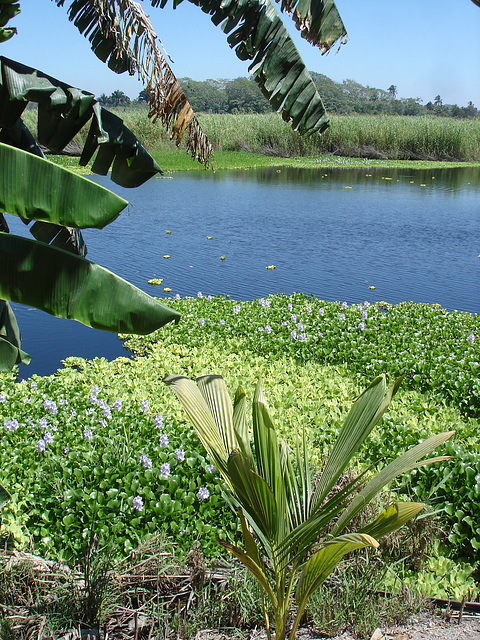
[[383, 137]]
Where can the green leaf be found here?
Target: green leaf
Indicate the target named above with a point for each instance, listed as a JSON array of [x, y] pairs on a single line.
[[402, 464], [215, 394], [51, 193], [201, 418], [392, 518], [240, 424], [253, 567], [68, 286], [323, 562], [254, 495], [10, 341], [4, 496], [361, 419]]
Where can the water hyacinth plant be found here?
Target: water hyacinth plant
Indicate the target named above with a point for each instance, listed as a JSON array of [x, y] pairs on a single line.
[[296, 528]]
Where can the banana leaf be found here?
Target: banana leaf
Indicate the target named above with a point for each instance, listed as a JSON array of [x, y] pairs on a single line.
[[68, 286], [62, 112], [10, 339], [34, 188]]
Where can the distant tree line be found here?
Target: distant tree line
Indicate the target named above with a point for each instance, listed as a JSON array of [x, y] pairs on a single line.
[[242, 95]]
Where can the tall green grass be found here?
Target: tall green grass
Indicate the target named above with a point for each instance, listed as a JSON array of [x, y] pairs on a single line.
[[383, 137]]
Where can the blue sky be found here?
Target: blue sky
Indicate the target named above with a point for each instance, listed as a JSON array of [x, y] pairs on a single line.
[[424, 47]]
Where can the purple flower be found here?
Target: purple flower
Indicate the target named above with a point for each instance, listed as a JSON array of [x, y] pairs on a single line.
[[309, 309], [158, 422], [117, 405], [180, 454], [183, 531], [48, 438], [342, 316], [73, 413], [222, 322], [284, 323], [144, 405], [66, 451], [201, 321], [293, 317], [321, 311], [106, 411], [261, 329], [300, 326], [210, 468], [366, 303], [344, 305], [33, 384], [236, 309], [290, 306], [199, 294], [137, 503], [177, 296], [293, 334], [361, 326], [209, 298], [145, 461], [164, 440], [93, 399], [165, 469], [41, 446], [302, 337], [203, 493], [268, 329], [42, 423], [87, 434], [364, 315], [11, 424], [359, 307], [95, 389], [50, 405], [471, 338], [2, 397]]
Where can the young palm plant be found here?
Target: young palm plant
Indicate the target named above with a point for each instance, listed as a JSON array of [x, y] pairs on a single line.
[[295, 529]]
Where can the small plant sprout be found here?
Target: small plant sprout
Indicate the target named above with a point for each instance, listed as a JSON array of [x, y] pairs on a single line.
[[295, 528]]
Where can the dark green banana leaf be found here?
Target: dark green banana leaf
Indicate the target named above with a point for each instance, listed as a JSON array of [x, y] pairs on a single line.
[[10, 352], [256, 32], [34, 188], [62, 112], [68, 286], [8, 10]]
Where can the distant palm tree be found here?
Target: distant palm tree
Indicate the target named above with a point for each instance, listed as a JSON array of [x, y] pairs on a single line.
[[392, 90]]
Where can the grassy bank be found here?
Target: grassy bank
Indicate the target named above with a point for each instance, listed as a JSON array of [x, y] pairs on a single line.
[[386, 138]]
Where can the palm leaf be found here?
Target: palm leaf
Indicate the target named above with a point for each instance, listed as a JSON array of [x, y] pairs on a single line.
[[215, 394], [50, 193], [240, 424], [255, 496], [201, 418], [68, 286], [322, 563], [402, 464], [392, 518], [122, 35], [253, 567], [361, 419]]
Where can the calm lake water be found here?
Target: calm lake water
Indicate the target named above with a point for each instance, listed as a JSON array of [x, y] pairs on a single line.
[[413, 235]]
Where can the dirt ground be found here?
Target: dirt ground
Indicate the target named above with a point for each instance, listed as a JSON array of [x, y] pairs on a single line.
[[425, 627]]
